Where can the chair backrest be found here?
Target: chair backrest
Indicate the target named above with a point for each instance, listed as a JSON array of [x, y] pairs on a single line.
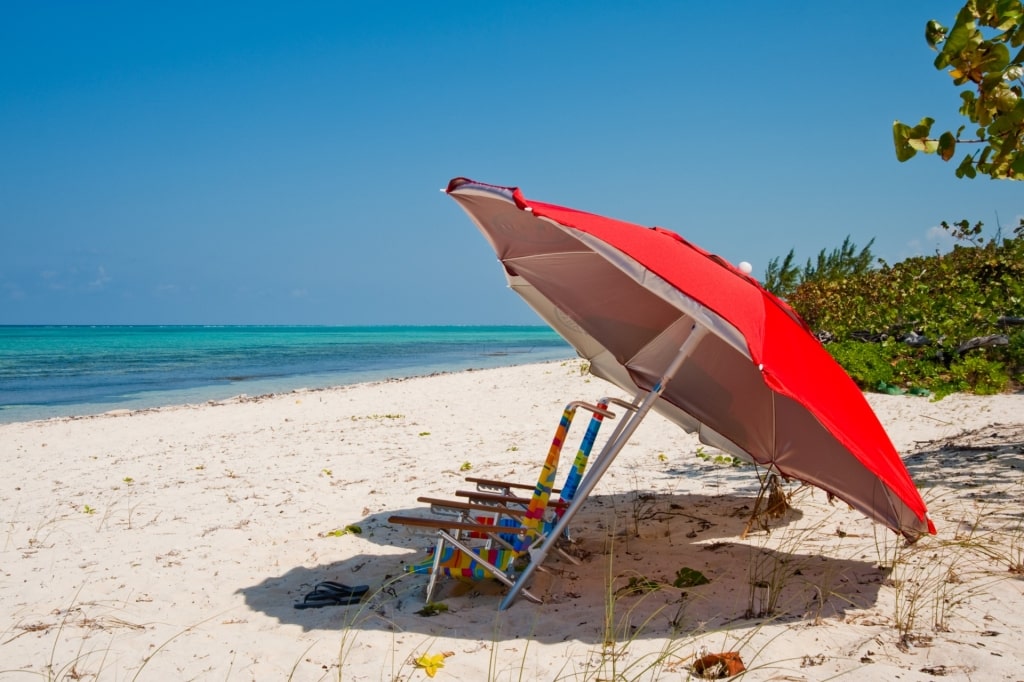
[[572, 481], [533, 522], [539, 517]]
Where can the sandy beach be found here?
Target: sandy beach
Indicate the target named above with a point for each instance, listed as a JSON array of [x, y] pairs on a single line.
[[173, 543]]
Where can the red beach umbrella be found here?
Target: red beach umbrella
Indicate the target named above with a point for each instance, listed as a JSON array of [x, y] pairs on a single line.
[[699, 341]]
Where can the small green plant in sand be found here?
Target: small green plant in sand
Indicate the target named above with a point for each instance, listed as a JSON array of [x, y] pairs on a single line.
[[718, 458], [377, 417], [327, 472], [424, 433], [689, 577], [466, 466], [638, 584], [128, 479], [432, 608], [88, 510], [350, 529], [582, 367]]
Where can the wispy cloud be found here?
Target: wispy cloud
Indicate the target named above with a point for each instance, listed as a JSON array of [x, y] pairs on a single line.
[[52, 280], [939, 239], [935, 240], [101, 279], [75, 278]]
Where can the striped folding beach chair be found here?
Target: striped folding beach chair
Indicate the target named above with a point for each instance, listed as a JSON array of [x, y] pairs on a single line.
[[490, 534]]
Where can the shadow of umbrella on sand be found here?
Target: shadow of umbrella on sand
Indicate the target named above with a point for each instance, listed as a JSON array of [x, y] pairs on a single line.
[[394, 600], [699, 341]]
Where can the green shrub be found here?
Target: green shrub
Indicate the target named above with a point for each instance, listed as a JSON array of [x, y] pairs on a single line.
[[946, 299], [980, 375], [867, 364]]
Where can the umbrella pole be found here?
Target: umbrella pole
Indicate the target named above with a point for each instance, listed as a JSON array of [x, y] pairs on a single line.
[[604, 460]]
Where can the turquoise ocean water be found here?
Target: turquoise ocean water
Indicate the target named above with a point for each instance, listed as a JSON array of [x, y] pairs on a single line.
[[53, 371]]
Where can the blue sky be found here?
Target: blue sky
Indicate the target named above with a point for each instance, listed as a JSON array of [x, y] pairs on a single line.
[[258, 163]]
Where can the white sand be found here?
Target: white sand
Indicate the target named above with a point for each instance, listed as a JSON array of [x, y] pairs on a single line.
[[172, 544]]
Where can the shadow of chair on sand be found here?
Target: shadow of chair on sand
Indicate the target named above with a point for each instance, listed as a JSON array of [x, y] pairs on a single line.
[[633, 554]]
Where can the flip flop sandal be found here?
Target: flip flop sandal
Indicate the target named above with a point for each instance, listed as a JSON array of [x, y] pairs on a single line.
[[316, 600], [331, 587]]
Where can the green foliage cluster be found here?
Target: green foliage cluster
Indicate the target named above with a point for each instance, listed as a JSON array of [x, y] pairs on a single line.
[[689, 577], [782, 278], [432, 609], [976, 52], [905, 325], [723, 460]]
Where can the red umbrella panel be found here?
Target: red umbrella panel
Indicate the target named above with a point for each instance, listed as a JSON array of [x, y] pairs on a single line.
[[699, 341]]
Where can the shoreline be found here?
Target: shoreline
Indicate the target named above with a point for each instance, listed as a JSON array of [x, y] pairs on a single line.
[[64, 371], [159, 399], [173, 542]]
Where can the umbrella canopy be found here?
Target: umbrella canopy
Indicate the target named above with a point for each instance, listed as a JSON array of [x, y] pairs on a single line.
[[701, 342]]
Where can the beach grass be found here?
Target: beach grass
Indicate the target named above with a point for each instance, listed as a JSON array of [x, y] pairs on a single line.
[[188, 572]]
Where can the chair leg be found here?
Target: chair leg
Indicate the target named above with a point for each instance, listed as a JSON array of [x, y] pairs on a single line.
[[435, 569], [445, 538]]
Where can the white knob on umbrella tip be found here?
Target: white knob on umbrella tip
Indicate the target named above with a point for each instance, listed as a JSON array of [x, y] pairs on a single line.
[[528, 209], [746, 267]]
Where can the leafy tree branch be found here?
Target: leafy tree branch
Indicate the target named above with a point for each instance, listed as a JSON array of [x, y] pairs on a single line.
[[976, 52]]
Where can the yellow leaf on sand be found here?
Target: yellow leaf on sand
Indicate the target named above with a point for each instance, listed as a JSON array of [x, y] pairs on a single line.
[[431, 663]]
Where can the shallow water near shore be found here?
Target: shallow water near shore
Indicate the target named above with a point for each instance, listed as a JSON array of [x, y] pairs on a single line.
[[55, 371]]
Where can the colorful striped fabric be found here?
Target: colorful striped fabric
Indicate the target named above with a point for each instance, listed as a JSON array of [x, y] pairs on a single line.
[[458, 564], [542, 493], [470, 562], [572, 482]]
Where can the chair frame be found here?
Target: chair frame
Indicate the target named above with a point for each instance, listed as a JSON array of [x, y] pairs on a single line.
[[533, 517]]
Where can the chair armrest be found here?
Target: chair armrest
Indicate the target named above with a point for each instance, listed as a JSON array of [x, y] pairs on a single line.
[[470, 506], [503, 499], [438, 524], [503, 485]]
